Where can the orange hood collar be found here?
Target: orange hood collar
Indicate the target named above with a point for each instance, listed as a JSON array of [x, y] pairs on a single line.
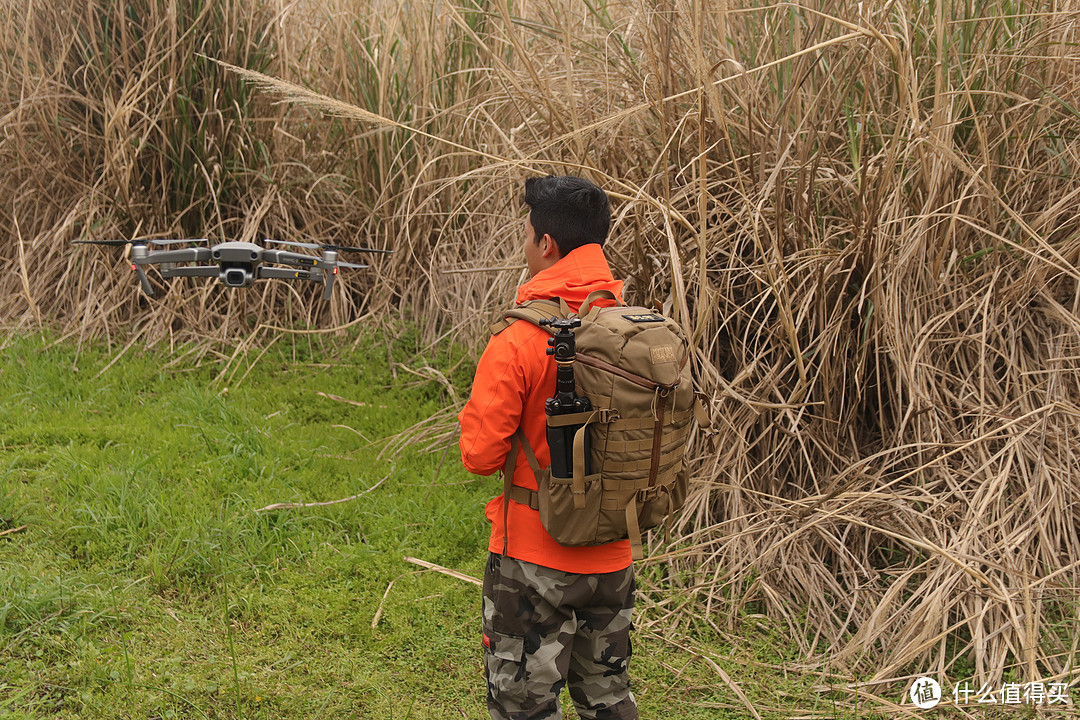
[[572, 278]]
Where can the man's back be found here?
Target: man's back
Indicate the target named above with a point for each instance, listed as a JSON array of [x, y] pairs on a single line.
[[552, 614], [513, 381]]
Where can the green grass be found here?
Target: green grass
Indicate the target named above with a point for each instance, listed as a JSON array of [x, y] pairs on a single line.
[[145, 584]]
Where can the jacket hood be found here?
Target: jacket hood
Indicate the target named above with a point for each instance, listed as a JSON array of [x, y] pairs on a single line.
[[584, 270]]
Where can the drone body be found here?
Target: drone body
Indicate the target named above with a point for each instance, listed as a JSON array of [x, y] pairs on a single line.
[[236, 264]]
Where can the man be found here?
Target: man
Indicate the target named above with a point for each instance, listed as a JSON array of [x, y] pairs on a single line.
[[552, 614]]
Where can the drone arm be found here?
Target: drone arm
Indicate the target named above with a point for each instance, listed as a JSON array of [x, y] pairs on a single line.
[[138, 257], [195, 271], [287, 273], [143, 280], [290, 258], [175, 256], [329, 276], [324, 268]]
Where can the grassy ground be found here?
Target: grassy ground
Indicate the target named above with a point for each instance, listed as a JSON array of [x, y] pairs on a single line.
[[137, 578]]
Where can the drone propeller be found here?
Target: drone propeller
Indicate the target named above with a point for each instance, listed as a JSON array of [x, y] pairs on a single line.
[[137, 241], [332, 248], [345, 248], [352, 266], [111, 243], [293, 243], [177, 241]]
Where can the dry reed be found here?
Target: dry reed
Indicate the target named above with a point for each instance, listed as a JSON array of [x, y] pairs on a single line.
[[863, 214]]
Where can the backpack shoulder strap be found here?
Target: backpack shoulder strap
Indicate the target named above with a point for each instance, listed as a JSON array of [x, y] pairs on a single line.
[[514, 492], [533, 311]]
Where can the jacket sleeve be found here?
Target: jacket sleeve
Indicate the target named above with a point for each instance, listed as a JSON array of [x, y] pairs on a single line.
[[493, 413]]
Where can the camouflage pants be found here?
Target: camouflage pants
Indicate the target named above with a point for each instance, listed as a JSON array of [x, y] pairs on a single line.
[[545, 628]]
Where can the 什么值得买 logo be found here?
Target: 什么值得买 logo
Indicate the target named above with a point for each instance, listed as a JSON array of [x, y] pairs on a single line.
[[926, 693]]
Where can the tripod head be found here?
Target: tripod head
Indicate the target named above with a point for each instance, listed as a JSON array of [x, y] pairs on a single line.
[[562, 345]]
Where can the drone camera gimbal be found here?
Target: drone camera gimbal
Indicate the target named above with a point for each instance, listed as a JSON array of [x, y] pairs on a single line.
[[238, 261]]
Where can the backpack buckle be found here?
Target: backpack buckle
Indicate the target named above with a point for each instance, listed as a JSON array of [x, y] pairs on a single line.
[[648, 494], [607, 415]]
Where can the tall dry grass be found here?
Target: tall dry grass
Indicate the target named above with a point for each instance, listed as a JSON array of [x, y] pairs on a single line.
[[863, 214]]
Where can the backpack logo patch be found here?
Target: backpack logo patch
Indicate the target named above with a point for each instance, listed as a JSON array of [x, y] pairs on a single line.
[[644, 318], [662, 354]]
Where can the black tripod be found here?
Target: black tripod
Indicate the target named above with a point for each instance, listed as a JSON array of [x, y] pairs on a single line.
[[566, 400]]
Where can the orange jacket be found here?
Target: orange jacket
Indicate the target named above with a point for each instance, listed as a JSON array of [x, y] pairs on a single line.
[[513, 380]]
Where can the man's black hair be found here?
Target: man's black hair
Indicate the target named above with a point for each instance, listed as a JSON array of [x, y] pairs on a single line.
[[572, 210]]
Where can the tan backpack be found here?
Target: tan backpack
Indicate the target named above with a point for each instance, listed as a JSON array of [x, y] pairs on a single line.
[[633, 366]]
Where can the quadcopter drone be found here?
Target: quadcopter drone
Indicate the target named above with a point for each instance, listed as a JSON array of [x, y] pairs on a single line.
[[237, 264]]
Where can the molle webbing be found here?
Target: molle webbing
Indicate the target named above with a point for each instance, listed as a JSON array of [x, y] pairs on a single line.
[[525, 496]]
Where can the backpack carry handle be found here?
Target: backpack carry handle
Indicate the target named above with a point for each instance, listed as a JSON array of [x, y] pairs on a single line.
[[593, 297]]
